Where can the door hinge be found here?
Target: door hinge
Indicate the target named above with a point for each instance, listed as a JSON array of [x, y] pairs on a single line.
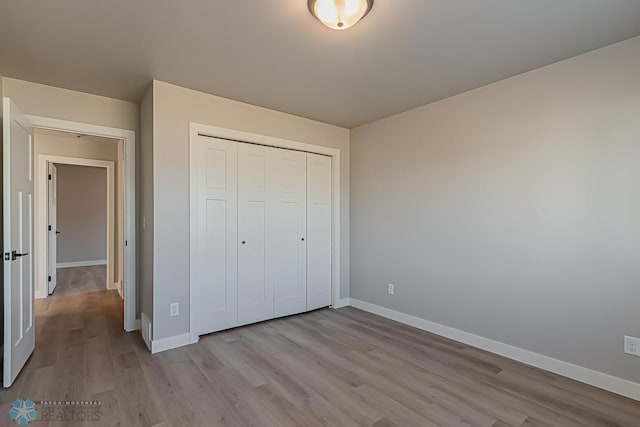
[[7, 256], [126, 243], [49, 177], [48, 278], [49, 228]]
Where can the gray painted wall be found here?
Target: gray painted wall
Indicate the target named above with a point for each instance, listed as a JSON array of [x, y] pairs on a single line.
[[512, 211], [173, 108], [64, 104], [82, 214]]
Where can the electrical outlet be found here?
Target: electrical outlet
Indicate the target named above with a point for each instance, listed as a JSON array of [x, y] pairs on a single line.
[[174, 309], [391, 290], [632, 346]]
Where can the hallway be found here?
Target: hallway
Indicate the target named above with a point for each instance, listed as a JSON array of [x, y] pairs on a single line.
[[80, 280], [81, 350]]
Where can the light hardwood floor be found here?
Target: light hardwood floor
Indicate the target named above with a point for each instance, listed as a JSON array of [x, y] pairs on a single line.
[[326, 368]]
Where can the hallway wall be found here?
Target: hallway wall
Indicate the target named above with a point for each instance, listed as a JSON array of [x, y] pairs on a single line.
[[82, 214]]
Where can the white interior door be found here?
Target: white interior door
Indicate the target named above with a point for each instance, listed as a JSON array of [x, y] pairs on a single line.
[[318, 231], [53, 228], [214, 258], [287, 225], [19, 321], [255, 266]]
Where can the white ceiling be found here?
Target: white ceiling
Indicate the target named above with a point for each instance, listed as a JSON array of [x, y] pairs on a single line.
[[272, 53]]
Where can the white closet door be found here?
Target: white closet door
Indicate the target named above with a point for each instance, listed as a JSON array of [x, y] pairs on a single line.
[[255, 267], [287, 225], [318, 231], [214, 287]]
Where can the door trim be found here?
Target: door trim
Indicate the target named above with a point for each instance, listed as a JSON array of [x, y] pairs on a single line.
[[42, 206], [129, 139], [197, 129], [52, 261]]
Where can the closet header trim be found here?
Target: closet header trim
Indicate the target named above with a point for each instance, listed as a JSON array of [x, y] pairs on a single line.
[[263, 145]]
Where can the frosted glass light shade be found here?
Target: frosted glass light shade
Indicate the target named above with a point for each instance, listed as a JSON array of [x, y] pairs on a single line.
[[340, 14]]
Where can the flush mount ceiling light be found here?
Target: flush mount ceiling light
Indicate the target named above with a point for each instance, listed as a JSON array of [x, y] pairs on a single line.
[[340, 14]]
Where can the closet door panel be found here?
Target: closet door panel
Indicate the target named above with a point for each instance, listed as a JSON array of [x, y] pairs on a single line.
[[318, 231], [288, 228], [255, 275], [214, 285]]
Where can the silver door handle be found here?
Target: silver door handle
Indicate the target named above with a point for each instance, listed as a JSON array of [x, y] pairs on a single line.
[[15, 255]]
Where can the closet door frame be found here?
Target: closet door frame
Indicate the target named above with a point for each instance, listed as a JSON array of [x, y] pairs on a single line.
[[197, 130]]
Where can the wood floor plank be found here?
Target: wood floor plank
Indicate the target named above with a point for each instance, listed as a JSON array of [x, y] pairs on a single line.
[[340, 367], [393, 410], [326, 413], [384, 422]]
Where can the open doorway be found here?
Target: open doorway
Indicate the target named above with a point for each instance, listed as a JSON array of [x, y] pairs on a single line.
[[26, 214], [80, 211], [81, 230]]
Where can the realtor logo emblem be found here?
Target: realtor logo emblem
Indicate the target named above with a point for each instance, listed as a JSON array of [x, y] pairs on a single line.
[[23, 411]]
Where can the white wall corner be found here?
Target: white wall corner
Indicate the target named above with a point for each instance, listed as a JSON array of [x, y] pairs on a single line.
[[145, 329], [194, 338], [579, 373], [343, 302], [118, 285], [169, 343]]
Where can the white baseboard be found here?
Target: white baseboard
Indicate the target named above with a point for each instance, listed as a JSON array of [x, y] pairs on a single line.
[[194, 338], [566, 369], [343, 302], [145, 329], [81, 263], [115, 286], [169, 343]]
